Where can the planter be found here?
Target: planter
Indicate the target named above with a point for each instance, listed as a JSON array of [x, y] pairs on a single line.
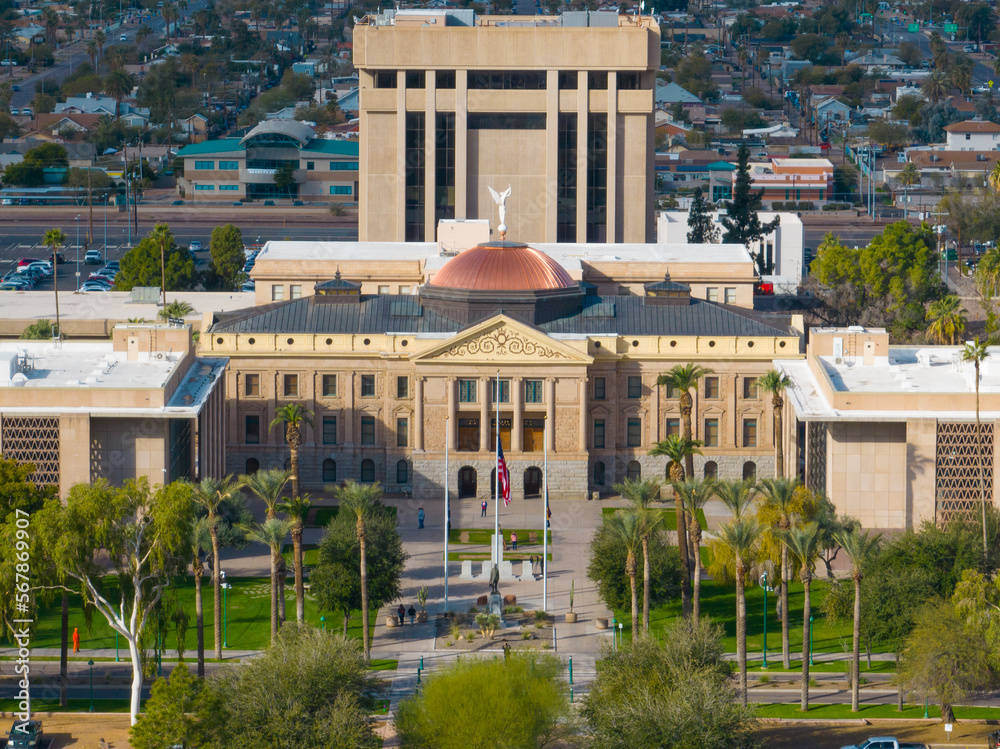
[[421, 616], [602, 623], [571, 617], [392, 621]]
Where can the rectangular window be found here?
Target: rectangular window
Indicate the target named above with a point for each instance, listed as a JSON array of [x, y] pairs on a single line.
[[467, 391], [597, 80], [329, 386], [229, 165], [251, 432], [343, 166], [673, 392], [444, 166], [341, 190], [310, 166], [599, 388], [730, 296], [532, 391], [229, 187], [385, 79], [566, 175], [415, 184], [749, 432], [403, 387], [204, 187], [711, 387], [405, 289], [277, 293], [367, 430], [568, 80], [506, 121], [517, 80], [204, 165], [504, 391], [634, 387], [329, 430], [597, 175], [749, 387], [402, 432], [367, 386], [444, 79], [295, 291], [634, 432], [598, 433], [673, 428], [712, 293], [711, 436], [415, 79], [291, 386], [251, 384], [383, 289]]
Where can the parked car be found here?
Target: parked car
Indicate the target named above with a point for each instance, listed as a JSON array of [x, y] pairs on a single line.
[[116, 264], [14, 285], [44, 266], [58, 258], [25, 261], [248, 286], [885, 742], [93, 257], [94, 286], [196, 246], [25, 735]]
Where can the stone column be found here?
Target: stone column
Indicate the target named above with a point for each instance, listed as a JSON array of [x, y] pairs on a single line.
[[484, 414], [349, 410], [517, 426], [582, 439], [550, 414], [654, 413], [452, 428], [418, 414]]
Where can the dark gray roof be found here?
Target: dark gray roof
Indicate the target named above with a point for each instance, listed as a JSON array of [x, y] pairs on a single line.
[[667, 285], [609, 315]]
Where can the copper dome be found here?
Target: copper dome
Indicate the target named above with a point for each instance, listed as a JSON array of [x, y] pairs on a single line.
[[502, 266]]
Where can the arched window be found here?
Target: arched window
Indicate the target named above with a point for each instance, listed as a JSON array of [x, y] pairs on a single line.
[[711, 470], [749, 471], [599, 473], [253, 465], [367, 471], [402, 472], [330, 471], [634, 471]]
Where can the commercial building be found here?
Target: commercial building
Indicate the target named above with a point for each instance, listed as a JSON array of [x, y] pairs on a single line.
[[240, 168], [793, 180], [140, 405], [559, 108]]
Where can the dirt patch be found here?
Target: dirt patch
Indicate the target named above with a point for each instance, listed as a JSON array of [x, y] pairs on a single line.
[[792, 736], [85, 730], [463, 537], [461, 633]]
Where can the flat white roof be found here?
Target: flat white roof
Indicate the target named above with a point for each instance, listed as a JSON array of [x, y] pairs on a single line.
[[113, 305], [787, 219], [286, 250]]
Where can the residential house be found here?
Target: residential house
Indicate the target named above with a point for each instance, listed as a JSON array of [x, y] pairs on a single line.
[[671, 93], [56, 123], [973, 135], [194, 127], [77, 154], [831, 110]]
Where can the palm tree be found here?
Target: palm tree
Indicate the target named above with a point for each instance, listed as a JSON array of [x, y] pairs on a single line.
[[804, 543], [642, 494], [740, 537], [776, 512], [736, 495], [961, 73], [92, 51], [994, 178], [99, 40], [627, 526], [296, 510], [6, 94], [293, 416], [361, 500], [143, 33], [201, 542], [680, 450], [268, 486], [162, 237], [908, 177], [177, 309], [272, 533], [55, 239], [935, 86], [775, 383], [948, 319], [860, 548], [684, 378], [211, 494], [118, 84], [694, 493], [976, 352]]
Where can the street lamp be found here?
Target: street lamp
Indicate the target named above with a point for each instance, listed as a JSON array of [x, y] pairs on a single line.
[[763, 584], [78, 252], [225, 610], [91, 664], [810, 639], [322, 622]]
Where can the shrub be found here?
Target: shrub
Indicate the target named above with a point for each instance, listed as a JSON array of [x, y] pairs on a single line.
[[764, 679]]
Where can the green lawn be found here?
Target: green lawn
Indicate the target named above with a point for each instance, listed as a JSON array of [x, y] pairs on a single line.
[[482, 536], [719, 603], [73, 705], [384, 665], [310, 554], [249, 617], [822, 667], [669, 516], [840, 712]]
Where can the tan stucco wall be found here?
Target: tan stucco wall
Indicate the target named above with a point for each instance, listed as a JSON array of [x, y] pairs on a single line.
[[867, 473]]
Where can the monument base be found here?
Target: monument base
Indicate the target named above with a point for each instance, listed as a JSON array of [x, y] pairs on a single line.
[[495, 606]]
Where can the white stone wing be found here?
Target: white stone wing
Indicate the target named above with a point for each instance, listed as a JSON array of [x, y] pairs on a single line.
[[496, 196]]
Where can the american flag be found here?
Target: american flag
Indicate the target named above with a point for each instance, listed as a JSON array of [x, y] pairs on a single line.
[[503, 476]]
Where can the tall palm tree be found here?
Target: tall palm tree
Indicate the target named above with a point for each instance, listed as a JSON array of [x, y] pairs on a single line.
[[268, 486], [741, 537], [162, 237], [92, 50], [737, 495], [684, 378], [55, 239], [775, 383], [627, 526], [272, 533], [935, 86], [296, 510], [293, 416], [201, 542], [694, 493], [143, 33], [118, 84], [361, 500], [804, 543], [679, 450], [211, 494], [776, 511], [99, 40], [908, 177], [975, 351], [860, 548], [948, 319], [642, 494]]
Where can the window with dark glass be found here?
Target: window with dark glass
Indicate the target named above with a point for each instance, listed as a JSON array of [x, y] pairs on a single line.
[[749, 387], [568, 80], [444, 165], [532, 391], [291, 386], [367, 471], [467, 391], [597, 176], [711, 436], [251, 431], [629, 81], [634, 387], [634, 432], [597, 80], [368, 386], [329, 385], [402, 386], [598, 433], [504, 391], [599, 388], [444, 79], [517, 80], [367, 430], [711, 387], [402, 432], [415, 79], [402, 472], [673, 427], [251, 384], [566, 177], [415, 185], [599, 473], [329, 470], [385, 79], [329, 430], [506, 121], [749, 432]]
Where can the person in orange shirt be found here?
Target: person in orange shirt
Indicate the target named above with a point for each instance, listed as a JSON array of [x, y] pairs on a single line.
[[76, 640]]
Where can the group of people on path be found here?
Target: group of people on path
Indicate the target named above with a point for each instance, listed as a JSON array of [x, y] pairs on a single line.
[[402, 612]]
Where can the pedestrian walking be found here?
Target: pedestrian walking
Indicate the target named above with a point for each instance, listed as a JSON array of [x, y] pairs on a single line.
[[401, 613], [76, 640], [548, 516], [513, 540], [483, 513], [412, 613], [420, 518]]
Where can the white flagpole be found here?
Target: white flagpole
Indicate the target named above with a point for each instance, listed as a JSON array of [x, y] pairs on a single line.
[[545, 522], [447, 511], [497, 499]]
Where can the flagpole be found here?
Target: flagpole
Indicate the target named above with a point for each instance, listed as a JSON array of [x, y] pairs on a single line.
[[447, 511], [496, 500], [545, 522]]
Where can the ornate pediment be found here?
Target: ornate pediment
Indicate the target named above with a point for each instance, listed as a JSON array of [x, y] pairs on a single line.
[[503, 339]]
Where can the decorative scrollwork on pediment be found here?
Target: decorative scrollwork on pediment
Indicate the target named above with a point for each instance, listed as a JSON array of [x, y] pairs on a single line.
[[503, 342]]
